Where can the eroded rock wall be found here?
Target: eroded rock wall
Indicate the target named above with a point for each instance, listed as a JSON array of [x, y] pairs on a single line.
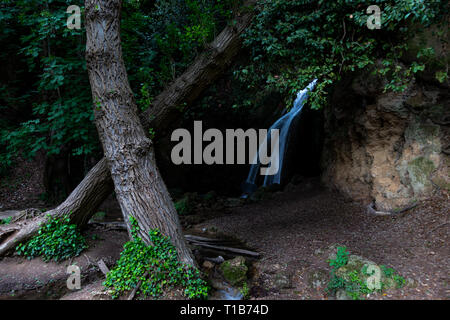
[[390, 148]]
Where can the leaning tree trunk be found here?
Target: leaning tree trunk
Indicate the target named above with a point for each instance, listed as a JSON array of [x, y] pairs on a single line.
[[139, 187], [81, 204], [97, 184]]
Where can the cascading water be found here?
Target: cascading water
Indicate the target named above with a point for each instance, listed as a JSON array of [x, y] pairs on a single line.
[[283, 124]]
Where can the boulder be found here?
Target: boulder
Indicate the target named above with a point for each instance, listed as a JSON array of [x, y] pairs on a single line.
[[318, 279], [235, 270]]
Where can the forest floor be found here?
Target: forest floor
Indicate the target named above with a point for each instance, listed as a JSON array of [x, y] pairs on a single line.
[[294, 231]]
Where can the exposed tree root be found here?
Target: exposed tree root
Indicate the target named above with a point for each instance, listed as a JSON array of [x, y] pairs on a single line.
[[371, 210]]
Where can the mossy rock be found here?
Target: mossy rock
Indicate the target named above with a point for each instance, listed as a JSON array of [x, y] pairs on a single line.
[[359, 266], [318, 279], [420, 170], [235, 270], [282, 280]]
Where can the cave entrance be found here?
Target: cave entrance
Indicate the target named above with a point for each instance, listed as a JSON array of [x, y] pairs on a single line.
[[304, 151], [302, 159]]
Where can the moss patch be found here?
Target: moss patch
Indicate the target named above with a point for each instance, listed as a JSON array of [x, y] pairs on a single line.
[[234, 271], [186, 205], [420, 170]]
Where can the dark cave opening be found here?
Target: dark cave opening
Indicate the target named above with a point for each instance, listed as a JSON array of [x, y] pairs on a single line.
[[303, 158]]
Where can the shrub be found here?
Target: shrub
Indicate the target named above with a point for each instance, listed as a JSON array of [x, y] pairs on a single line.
[[290, 43], [160, 260], [56, 240], [6, 220], [353, 276]]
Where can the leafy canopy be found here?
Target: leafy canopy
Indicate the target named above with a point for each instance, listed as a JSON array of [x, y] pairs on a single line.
[[49, 94], [293, 42]]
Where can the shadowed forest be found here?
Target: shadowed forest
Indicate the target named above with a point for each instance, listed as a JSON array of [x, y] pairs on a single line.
[[224, 150]]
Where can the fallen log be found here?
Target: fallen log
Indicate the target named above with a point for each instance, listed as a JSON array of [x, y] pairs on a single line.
[[225, 249]]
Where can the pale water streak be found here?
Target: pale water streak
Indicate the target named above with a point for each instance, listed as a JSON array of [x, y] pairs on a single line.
[[283, 124]]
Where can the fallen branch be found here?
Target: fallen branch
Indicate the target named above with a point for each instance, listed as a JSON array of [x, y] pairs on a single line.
[[103, 268], [133, 293], [226, 249]]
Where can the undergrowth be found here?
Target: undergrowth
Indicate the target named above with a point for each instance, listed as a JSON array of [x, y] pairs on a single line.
[[56, 240], [360, 281], [6, 220], [155, 267]]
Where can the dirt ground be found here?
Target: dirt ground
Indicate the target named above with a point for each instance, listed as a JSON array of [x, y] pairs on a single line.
[[22, 187], [21, 278], [294, 231]]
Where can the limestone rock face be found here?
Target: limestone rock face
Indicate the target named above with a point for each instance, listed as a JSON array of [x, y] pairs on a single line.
[[391, 148], [388, 148]]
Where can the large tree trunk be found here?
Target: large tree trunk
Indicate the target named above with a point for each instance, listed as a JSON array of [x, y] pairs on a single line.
[[139, 187], [97, 184]]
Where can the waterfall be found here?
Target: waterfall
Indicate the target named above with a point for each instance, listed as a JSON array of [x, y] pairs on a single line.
[[283, 124]]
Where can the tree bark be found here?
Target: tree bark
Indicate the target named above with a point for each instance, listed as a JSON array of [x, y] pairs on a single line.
[[139, 187], [97, 184]]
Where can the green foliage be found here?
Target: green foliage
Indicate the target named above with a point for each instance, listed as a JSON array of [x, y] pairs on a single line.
[[187, 203], [56, 240], [441, 76], [160, 260], [293, 42], [6, 220], [160, 43], [341, 258], [353, 280], [50, 88]]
